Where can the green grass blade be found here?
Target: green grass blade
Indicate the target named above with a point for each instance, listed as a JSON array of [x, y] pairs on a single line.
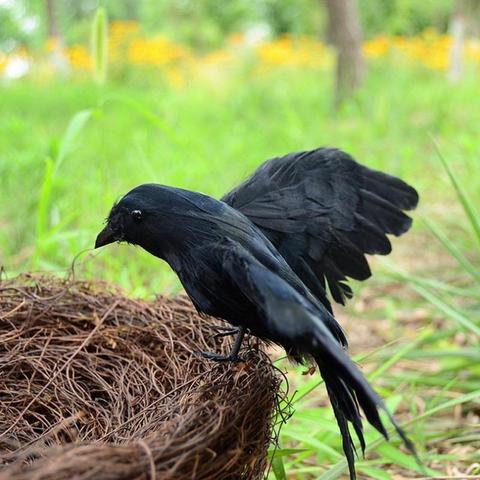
[[308, 438], [376, 473], [75, 126], [448, 310], [466, 265], [396, 456], [284, 452], [278, 468], [44, 201], [400, 354], [339, 468], [99, 44], [148, 115], [468, 207]]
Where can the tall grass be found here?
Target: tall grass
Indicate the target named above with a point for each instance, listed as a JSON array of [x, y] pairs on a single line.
[[99, 45], [50, 229], [196, 140], [456, 382], [66, 154]]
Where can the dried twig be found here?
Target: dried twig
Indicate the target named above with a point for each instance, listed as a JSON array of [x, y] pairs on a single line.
[[96, 385]]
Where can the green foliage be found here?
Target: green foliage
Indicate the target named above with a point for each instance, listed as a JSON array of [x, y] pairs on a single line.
[[48, 231], [404, 17], [66, 154], [10, 30], [142, 133], [204, 24], [455, 304]]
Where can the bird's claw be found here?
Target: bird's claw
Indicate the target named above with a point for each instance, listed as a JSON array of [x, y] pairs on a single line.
[[221, 358], [225, 332]]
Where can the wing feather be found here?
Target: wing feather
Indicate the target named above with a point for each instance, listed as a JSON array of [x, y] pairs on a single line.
[[324, 211]]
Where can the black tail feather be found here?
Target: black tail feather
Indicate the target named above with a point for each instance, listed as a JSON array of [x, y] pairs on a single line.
[[291, 320], [349, 392]]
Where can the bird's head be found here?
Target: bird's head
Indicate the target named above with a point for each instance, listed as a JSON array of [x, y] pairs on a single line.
[[160, 219], [135, 217]]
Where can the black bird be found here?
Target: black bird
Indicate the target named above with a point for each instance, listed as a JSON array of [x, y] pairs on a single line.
[[263, 256]]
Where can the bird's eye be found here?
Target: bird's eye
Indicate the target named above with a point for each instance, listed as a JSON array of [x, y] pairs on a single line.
[[136, 214]]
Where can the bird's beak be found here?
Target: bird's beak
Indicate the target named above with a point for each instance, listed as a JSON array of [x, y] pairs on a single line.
[[105, 237]]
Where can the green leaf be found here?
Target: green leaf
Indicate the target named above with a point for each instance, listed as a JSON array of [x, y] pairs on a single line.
[[75, 126], [341, 466], [375, 472], [453, 250], [400, 275], [400, 354], [448, 310], [99, 44], [308, 438], [304, 390], [279, 468], [151, 117], [467, 205], [44, 200], [283, 452], [395, 455]]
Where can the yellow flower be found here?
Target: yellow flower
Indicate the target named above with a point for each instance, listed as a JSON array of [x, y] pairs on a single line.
[[78, 57], [3, 61], [377, 47], [156, 51], [293, 52]]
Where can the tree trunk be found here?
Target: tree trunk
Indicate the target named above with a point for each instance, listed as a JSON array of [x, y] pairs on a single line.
[[346, 32], [57, 56], [457, 32], [52, 18]]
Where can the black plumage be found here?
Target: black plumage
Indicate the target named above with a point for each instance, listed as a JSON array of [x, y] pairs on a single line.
[[324, 211], [260, 258]]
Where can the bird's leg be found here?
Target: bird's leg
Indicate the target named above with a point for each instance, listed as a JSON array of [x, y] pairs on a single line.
[[233, 355]]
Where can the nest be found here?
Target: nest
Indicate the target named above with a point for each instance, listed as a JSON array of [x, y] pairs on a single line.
[[94, 385]]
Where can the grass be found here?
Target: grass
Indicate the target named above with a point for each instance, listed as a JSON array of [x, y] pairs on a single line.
[[68, 150]]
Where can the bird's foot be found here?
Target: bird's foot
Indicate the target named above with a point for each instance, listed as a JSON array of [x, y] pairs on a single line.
[[221, 358], [225, 332]]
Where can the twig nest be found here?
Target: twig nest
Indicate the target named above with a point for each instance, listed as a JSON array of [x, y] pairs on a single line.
[[96, 385]]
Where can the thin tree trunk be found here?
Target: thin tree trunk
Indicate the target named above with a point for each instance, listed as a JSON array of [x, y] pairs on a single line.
[[57, 57], [457, 31], [346, 32], [52, 18]]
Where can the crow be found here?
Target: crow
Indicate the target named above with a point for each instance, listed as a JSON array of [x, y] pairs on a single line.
[[263, 256]]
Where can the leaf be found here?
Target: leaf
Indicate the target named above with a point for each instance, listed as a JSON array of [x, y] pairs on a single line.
[[453, 250], [279, 468], [448, 310], [308, 438], [399, 354], [75, 126], [375, 472], [44, 200], [467, 205], [99, 45], [304, 390], [395, 455], [148, 115], [283, 452], [341, 466]]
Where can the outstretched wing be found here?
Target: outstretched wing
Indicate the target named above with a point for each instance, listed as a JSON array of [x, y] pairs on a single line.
[[324, 211], [291, 321]]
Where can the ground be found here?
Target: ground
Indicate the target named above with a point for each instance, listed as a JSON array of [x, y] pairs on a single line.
[[386, 317]]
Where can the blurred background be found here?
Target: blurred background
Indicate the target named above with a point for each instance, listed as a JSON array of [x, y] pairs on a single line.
[[97, 97]]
